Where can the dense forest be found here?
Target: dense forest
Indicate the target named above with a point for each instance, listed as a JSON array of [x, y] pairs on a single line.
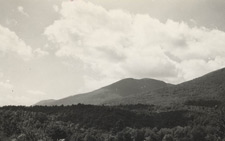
[[189, 122]]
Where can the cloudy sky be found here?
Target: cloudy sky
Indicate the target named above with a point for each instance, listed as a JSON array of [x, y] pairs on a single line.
[[50, 49]]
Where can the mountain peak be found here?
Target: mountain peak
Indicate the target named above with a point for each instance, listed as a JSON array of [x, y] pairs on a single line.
[[207, 88], [120, 89], [131, 86], [151, 91]]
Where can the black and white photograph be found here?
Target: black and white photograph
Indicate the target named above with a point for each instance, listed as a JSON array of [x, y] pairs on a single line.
[[112, 70]]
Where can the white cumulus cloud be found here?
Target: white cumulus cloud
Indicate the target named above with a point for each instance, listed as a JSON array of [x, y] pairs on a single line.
[[113, 44], [55, 8], [21, 10], [40, 53], [10, 42], [6, 85]]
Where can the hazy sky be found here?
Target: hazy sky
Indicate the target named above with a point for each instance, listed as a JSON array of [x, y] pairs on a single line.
[[51, 49]]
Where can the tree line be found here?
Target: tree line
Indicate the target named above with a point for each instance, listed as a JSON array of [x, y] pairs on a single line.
[[111, 123]]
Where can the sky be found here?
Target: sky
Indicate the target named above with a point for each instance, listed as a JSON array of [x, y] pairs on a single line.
[[51, 49]]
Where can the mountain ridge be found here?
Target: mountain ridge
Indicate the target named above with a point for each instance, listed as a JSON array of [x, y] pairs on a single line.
[[123, 88], [210, 86]]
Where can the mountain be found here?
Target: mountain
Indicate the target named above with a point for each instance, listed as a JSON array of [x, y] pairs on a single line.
[[208, 88], [45, 102], [116, 91]]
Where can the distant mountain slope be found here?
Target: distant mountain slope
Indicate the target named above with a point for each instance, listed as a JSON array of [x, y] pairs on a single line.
[[208, 87], [119, 90], [149, 91], [45, 102]]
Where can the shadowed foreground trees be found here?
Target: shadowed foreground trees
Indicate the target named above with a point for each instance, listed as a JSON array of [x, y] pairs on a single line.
[[107, 123]]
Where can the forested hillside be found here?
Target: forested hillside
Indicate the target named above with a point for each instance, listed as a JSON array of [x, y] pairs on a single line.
[[208, 87], [112, 123]]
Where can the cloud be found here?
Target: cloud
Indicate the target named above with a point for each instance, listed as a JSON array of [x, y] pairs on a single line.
[[13, 99], [36, 92], [21, 10], [6, 85], [114, 44], [40, 53], [12, 95], [10, 42], [55, 8]]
